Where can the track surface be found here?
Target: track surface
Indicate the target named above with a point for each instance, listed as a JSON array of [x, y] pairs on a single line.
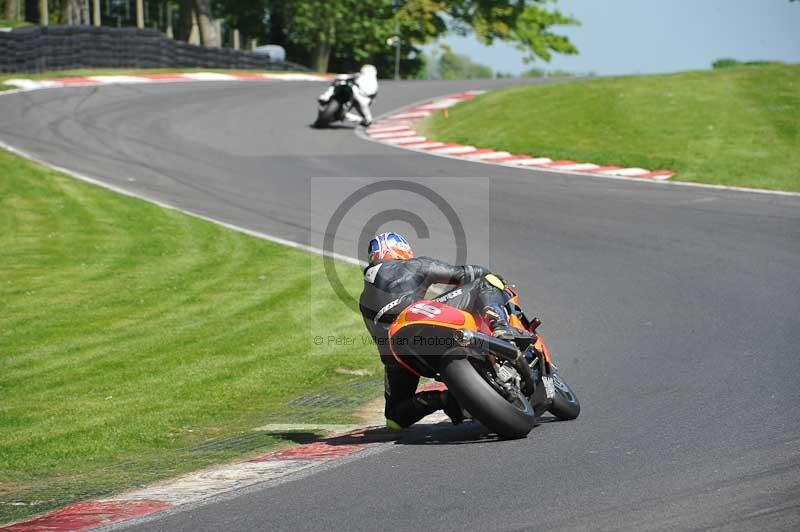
[[673, 312]]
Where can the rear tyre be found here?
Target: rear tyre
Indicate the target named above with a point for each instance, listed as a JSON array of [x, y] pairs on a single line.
[[511, 420], [327, 114], [565, 403]]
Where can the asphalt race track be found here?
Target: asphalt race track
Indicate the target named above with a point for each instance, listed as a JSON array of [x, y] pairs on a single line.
[[673, 311]]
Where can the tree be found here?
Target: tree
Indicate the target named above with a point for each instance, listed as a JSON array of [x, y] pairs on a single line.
[[533, 73], [346, 33], [525, 22], [340, 34], [451, 65], [69, 12], [314, 24], [185, 19], [11, 9], [208, 32], [532, 35], [249, 17]]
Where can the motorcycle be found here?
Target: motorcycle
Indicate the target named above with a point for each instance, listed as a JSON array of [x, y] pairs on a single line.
[[334, 108], [506, 385]]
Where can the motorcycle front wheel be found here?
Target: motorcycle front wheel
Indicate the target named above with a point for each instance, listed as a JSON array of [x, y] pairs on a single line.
[[509, 419], [327, 114], [565, 404]]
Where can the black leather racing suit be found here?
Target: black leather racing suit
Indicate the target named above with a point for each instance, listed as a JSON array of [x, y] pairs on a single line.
[[389, 287]]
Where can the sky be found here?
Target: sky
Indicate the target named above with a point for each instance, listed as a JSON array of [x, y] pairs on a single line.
[[648, 36]]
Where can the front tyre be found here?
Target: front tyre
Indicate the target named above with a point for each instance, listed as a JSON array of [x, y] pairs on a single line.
[[327, 114], [565, 403], [510, 420]]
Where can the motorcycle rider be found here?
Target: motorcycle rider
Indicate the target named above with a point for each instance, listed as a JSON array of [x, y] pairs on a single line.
[[393, 280], [365, 88]]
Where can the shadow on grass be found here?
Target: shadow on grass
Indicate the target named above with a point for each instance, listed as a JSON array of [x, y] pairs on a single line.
[[252, 441]]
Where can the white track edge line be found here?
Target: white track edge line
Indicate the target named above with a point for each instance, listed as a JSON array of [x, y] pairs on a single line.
[[119, 190], [361, 132], [324, 465], [148, 81]]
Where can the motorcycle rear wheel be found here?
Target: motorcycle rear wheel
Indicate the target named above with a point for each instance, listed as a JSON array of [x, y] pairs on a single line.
[[327, 114], [509, 420]]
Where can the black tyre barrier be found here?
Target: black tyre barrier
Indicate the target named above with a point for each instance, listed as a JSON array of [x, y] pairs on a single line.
[[36, 49]]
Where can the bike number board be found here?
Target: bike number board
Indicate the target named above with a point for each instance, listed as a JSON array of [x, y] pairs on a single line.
[[434, 311]]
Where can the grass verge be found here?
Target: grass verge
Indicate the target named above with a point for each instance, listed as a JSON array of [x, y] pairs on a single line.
[[737, 126], [137, 343], [9, 23]]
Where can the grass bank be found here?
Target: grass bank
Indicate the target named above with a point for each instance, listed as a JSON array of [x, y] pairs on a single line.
[[737, 126], [138, 343]]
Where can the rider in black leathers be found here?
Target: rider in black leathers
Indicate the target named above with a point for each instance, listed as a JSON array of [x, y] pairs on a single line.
[[391, 283]]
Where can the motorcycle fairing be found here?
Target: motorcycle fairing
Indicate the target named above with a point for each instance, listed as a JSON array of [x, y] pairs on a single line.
[[434, 320], [434, 313], [423, 332]]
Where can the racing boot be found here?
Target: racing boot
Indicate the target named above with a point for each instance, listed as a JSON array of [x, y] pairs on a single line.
[[498, 323], [408, 412], [422, 404], [441, 400], [452, 408], [434, 400]]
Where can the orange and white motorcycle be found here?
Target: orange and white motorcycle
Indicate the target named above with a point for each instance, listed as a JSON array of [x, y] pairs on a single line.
[[505, 385]]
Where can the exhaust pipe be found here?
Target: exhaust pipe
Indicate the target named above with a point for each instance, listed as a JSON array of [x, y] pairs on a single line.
[[505, 350]]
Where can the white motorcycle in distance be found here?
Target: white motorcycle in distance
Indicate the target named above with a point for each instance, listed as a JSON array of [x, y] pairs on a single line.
[[348, 92]]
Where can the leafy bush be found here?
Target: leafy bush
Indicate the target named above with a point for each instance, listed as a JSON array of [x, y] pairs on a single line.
[[724, 63], [727, 63]]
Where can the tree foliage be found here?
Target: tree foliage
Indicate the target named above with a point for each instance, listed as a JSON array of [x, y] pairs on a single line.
[[525, 22], [341, 34], [533, 36], [345, 33]]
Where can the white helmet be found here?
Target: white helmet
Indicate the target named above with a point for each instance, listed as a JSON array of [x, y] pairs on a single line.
[[369, 71]]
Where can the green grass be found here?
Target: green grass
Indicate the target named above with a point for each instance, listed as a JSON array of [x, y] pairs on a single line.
[[131, 336], [737, 126], [7, 23]]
